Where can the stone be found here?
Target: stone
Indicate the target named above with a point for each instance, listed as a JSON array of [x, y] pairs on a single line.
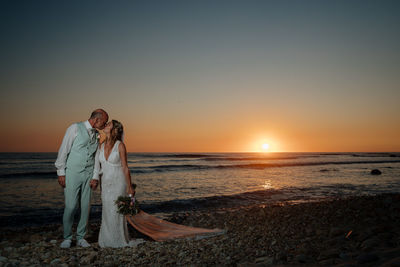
[[327, 262], [371, 243], [326, 254], [385, 236], [53, 241], [344, 256], [367, 257], [389, 253], [18, 245], [265, 260], [376, 172], [35, 238], [281, 256], [301, 258], [109, 264], [319, 232], [335, 231], [392, 263], [90, 258], [8, 249], [46, 255], [55, 262], [3, 259], [14, 262], [336, 241]]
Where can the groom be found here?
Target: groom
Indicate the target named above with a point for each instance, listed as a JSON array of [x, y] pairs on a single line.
[[75, 163]]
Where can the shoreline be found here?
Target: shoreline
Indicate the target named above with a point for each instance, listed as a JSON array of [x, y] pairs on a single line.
[[165, 209], [21, 221], [351, 230]]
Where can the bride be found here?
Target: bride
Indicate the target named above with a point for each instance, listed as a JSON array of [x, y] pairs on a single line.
[[116, 181], [111, 160]]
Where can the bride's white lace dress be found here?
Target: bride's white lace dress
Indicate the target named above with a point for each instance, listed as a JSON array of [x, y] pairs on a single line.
[[113, 230]]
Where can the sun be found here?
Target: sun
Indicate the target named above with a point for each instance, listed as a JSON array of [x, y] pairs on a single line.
[[265, 146], [261, 144]]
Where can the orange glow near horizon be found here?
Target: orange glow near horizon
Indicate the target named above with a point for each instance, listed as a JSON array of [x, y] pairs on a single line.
[[200, 137], [159, 137]]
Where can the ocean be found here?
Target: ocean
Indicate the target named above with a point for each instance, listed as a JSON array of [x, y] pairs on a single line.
[[181, 182]]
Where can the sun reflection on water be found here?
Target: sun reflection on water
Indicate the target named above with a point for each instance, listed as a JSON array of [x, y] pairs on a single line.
[[267, 184]]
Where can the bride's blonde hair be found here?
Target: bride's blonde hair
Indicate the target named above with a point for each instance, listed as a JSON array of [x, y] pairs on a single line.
[[117, 131]]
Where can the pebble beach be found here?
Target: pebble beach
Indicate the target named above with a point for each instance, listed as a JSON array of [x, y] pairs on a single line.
[[351, 231]]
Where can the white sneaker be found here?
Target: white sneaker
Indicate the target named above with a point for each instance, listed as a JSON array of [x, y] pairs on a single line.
[[66, 243], [83, 243]]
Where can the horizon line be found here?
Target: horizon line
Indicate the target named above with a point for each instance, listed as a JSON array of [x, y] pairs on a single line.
[[261, 152]]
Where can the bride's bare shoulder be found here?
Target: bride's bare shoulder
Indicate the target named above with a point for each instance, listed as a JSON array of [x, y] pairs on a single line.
[[121, 146]]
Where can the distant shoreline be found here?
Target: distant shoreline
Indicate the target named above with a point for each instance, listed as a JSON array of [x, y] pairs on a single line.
[[225, 152]]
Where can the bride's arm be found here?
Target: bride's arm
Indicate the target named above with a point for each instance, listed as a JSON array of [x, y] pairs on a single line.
[[124, 162]]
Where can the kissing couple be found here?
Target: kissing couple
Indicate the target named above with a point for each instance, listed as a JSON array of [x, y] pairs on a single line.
[[81, 162]]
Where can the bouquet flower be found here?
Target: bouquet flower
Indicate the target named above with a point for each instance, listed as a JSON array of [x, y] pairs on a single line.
[[127, 205]]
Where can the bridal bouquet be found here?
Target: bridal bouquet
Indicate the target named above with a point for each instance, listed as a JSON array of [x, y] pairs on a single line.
[[127, 205]]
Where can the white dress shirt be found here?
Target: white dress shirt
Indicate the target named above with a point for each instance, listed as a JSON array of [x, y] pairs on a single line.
[[66, 146]]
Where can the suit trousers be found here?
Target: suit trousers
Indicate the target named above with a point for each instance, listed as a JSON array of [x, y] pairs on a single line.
[[77, 191]]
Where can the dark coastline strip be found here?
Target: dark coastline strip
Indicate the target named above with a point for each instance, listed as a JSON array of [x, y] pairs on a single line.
[[164, 168], [260, 165], [49, 174], [41, 216], [244, 159]]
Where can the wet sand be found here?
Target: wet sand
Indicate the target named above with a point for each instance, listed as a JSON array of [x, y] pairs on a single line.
[[341, 232]]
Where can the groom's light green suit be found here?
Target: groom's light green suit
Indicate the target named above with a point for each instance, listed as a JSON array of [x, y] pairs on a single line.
[[78, 173]]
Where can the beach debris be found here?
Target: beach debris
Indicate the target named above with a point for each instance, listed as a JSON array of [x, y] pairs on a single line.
[[349, 233]]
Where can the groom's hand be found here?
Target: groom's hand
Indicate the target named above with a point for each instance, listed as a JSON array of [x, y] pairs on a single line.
[[93, 184], [61, 180]]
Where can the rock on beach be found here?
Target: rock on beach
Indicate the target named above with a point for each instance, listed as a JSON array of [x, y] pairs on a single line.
[[376, 172]]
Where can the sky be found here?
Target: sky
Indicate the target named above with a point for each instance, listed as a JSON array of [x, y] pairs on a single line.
[[203, 76]]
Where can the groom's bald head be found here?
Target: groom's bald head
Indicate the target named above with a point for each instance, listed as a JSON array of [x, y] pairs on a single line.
[[98, 118], [98, 113]]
